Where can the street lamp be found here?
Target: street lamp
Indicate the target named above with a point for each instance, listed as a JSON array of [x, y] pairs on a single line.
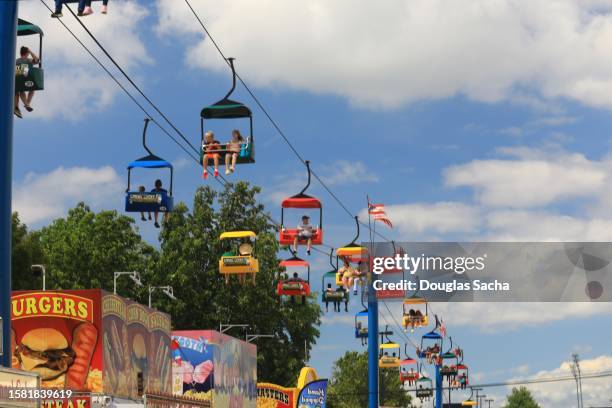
[[477, 398], [168, 291], [39, 270], [490, 400], [251, 337], [225, 327], [135, 276], [481, 403]]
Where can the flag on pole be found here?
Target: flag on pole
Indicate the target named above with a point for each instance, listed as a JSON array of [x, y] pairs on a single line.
[[377, 211]]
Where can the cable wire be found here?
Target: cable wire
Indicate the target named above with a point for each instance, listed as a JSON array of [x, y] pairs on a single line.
[[93, 37], [120, 84]]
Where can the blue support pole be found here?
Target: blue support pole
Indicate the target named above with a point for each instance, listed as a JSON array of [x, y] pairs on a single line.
[[372, 348], [439, 386], [8, 38]]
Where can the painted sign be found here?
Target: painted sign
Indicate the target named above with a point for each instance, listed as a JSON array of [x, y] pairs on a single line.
[[212, 366], [58, 336], [275, 396], [313, 395], [91, 341]]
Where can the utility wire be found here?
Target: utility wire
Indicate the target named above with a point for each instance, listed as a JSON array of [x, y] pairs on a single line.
[[274, 122], [121, 85], [93, 37]]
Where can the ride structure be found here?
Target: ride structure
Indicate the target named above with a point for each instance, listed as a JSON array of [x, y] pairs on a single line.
[[30, 76], [229, 109], [241, 260], [294, 286], [158, 200], [415, 312], [301, 201], [337, 293]]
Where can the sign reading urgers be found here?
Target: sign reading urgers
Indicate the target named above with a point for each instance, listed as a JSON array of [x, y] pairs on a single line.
[[91, 341], [52, 304]]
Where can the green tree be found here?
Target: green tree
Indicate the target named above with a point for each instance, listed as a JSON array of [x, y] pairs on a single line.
[[348, 385], [26, 251], [521, 398], [83, 250], [190, 252]]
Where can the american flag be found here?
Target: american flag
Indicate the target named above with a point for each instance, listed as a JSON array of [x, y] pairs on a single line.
[[441, 326], [377, 211]]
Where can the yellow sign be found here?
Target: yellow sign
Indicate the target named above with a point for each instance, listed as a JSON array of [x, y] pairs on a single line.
[[275, 396]]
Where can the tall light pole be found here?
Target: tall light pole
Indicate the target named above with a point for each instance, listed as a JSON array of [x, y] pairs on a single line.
[[40, 269], [490, 400], [477, 390], [135, 276], [168, 291]]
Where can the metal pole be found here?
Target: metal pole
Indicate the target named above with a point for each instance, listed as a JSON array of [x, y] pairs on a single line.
[[8, 39], [439, 387], [44, 274], [372, 332], [372, 348], [115, 283], [151, 289]]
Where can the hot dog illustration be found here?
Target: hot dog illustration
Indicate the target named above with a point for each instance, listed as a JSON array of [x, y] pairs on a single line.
[[84, 339]]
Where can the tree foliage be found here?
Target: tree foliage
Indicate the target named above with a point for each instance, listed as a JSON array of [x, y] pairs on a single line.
[[348, 385], [190, 251], [83, 250], [26, 251], [521, 398]]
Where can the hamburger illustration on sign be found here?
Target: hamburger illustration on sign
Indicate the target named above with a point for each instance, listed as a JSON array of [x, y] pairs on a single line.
[[55, 334], [92, 341]]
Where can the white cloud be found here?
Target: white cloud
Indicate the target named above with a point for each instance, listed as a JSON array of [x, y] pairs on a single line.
[[596, 391], [74, 84], [499, 317], [529, 226], [341, 173], [41, 197], [397, 52], [530, 178], [344, 172], [440, 217]]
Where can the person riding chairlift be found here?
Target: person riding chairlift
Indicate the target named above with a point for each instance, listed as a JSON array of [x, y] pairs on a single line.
[[83, 9], [158, 189], [305, 231], [26, 57]]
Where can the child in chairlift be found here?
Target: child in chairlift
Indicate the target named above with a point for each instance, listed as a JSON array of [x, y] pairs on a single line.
[[211, 149], [141, 189], [233, 150], [305, 231]]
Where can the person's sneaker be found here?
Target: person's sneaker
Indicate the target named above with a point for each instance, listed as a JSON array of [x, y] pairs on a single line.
[[28, 108], [308, 252], [57, 14], [104, 9], [142, 217], [355, 292], [80, 14], [232, 169], [216, 173], [205, 175], [227, 171], [150, 217], [17, 113], [88, 10], [156, 224]]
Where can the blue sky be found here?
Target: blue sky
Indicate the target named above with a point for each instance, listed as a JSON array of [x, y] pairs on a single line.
[[476, 122]]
